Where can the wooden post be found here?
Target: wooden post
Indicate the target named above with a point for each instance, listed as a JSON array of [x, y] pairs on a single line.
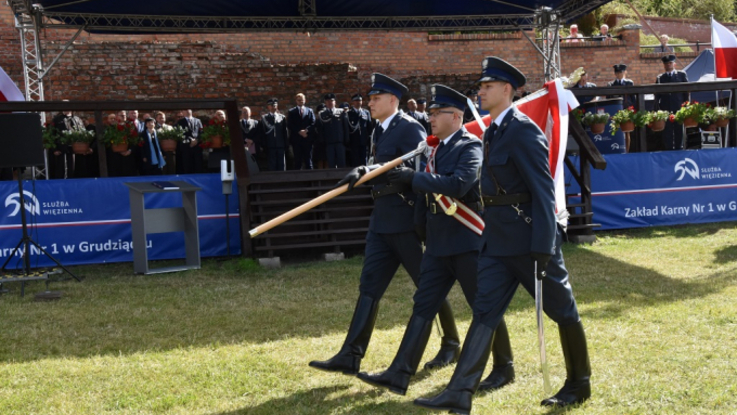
[[238, 154], [101, 153]]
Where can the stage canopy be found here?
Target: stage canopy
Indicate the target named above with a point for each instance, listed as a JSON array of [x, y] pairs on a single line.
[[145, 16]]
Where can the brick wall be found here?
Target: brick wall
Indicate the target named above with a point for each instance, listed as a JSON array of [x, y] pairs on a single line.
[[255, 66]]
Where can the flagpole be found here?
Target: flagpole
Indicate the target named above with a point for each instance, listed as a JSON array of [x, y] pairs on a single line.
[[713, 49]]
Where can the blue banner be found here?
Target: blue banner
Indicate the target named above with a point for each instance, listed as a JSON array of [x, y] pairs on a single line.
[[664, 188], [87, 221]]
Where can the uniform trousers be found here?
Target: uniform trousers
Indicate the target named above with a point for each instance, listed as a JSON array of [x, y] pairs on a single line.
[[302, 154], [499, 277], [335, 154], [437, 276], [276, 159], [384, 253], [673, 136], [358, 155]]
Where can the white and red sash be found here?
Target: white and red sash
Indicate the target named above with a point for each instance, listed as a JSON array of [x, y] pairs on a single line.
[[463, 214]]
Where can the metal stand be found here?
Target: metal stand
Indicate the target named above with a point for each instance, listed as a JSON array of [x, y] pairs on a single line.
[[147, 221], [26, 241]]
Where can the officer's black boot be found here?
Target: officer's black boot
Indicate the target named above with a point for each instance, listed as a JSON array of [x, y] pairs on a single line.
[[348, 360], [396, 377], [578, 369], [456, 397], [502, 373], [450, 344]]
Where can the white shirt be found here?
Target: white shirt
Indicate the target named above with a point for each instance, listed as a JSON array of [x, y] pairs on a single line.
[[445, 141], [388, 120], [498, 120]]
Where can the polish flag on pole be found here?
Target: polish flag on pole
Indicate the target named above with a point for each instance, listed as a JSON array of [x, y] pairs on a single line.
[[8, 90], [548, 108], [724, 43]]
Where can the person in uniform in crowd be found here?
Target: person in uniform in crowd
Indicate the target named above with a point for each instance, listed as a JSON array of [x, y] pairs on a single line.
[[274, 136], [583, 82], [521, 242], [673, 132], [420, 115], [393, 237], [620, 73], [300, 121], [452, 243], [360, 127], [332, 127], [189, 152], [61, 162], [151, 159], [473, 95]]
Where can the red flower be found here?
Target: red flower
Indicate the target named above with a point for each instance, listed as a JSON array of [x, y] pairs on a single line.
[[708, 105], [696, 102], [631, 108], [140, 144], [120, 127], [672, 118], [433, 141]]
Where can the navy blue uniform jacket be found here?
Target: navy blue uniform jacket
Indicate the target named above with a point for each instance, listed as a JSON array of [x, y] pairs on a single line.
[[391, 213], [671, 102], [457, 167], [518, 157]]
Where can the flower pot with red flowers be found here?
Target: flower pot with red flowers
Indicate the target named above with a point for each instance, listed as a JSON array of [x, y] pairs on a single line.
[[119, 137], [692, 114], [596, 121], [628, 119], [79, 140], [722, 116], [215, 134], [656, 119], [169, 137]]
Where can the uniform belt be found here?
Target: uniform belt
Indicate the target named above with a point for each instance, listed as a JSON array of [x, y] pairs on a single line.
[[386, 191], [434, 208], [506, 200]]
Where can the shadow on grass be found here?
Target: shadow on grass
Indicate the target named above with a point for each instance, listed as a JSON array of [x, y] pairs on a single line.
[[726, 254], [317, 401], [115, 313]]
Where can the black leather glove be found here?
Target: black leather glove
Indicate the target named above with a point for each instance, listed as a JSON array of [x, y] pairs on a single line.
[[421, 232], [403, 175], [542, 263], [353, 176]]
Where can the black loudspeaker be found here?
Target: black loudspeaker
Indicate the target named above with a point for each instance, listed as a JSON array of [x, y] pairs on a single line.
[[20, 140]]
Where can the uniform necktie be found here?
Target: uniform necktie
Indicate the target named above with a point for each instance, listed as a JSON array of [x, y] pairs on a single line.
[[301, 112], [377, 133], [491, 131]]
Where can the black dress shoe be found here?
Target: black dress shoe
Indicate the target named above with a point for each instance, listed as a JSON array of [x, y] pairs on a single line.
[[572, 393], [395, 382], [497, 379], [346, 364], [457, 402]]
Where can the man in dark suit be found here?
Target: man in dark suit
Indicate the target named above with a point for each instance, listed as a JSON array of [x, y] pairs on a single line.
[[360, 127], [151, 159], [421, 108], [392, 239], [453, 239], [61, 158], [332, 128], [273, 135], [421, 117], [673, 132], [473, 95], [620, 72], [300, 121], [189, 153], [521, 236]]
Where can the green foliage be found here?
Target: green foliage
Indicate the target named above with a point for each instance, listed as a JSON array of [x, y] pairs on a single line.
[[175, 133], [595, 118], [698, 111], [639, 118], [77, 136], [652, 40], [723, 10], [723, 113], [659, 115], [50, 135], [215, 128], [121, 133]]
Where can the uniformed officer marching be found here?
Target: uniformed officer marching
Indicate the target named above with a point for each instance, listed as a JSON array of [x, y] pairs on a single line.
[[332, 128], [392, 238], [521, 230], [453, 239], [360, 128], [673, 132], [620, 72]]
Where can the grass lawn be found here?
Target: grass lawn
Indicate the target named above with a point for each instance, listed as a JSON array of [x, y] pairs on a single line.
[[659, 306]]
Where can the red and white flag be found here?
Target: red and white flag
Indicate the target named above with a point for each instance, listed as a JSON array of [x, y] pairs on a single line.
[[548, 108], [724, 43], [8, 90]]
